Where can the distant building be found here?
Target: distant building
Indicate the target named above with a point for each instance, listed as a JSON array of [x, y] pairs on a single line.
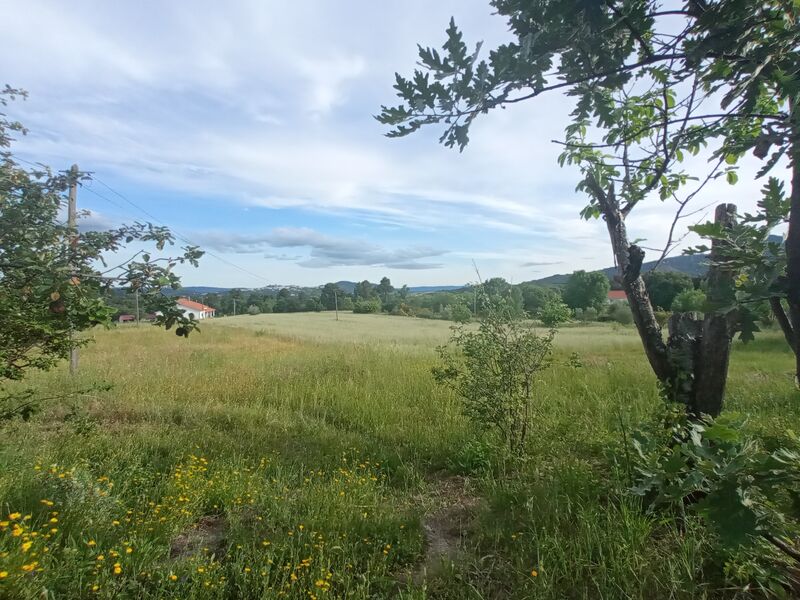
[[196, 309], [617, 295], [126, 318]]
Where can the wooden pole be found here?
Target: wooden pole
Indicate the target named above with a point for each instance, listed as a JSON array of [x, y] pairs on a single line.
[[72, 222], [336, 303], [137, 307]]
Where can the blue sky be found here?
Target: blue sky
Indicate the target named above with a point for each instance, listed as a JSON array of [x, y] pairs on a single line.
[[248, 127]]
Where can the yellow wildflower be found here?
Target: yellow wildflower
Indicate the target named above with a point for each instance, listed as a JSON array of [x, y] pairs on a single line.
[[3, 574], [14, 516], [26, 546], [173, 577], [117, 568], [30, 566], [46, 502], [534, 573], [128, 550], [91, 543]]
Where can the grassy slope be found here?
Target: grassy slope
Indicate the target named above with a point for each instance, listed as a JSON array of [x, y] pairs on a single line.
[[320, 444]]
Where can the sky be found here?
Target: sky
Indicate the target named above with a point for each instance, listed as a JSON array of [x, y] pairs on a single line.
[[248, 128]]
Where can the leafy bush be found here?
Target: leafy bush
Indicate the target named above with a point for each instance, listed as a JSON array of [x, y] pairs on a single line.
[[619, 312], [749, 496], [367, 306], [586, 315], [554, 313], [460, 313], [494, 370], [689, 301], [662, 316], [253, 310]]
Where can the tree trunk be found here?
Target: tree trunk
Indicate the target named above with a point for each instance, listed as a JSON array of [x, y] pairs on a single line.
[[793, 239], [692, 365]]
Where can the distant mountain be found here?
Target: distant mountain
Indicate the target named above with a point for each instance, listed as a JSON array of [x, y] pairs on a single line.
[[694, 265]]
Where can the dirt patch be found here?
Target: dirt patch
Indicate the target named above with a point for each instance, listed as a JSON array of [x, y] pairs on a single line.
[[206, 536], [445, 525]]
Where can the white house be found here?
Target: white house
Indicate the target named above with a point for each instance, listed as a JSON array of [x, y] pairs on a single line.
[[195, 309]]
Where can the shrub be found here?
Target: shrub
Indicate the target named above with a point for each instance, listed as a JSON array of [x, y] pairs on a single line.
[[495, 370], [586, 315], [253, 310], [460, 313], [620, 312], [747, 494], [554, 313], [689, 301], [662, 316], [367, 306]]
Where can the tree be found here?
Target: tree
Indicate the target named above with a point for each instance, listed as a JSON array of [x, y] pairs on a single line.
[[535, 297], [253, 309], [663, 286], [331, 296], [584, 290], [554, 313], [55, 282], [384, 289], [655, 85], [690, 300], [495, 371], [367, 306], [364, 291]]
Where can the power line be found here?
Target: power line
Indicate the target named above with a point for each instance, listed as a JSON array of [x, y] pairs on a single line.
[[177, 233]]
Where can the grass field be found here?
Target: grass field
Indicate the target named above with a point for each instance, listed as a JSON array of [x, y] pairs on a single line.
[[296, 456]]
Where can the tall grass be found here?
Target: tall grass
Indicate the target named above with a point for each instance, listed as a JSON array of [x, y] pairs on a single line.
[[302, 453]]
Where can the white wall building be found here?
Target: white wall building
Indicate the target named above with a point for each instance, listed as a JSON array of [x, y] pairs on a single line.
[[196, 309]]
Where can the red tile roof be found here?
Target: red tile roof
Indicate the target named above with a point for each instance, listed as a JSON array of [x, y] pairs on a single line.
[[617, 295], [186, 303]]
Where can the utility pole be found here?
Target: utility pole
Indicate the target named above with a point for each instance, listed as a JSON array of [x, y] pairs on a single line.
[[137, 307], [72, 223], [336, 303], [234, 307]]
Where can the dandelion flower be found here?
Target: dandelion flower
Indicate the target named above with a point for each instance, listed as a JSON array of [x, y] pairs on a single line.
[[534, 573], [30, 566], [14, 516], [3, 574], [26, 546], [173, 577], [91, 543], [117, 568]]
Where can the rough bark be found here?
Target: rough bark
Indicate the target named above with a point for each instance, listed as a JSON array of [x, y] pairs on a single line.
[[711, 368], [783, 320], [693, 364], [793, 239], [629, 261]]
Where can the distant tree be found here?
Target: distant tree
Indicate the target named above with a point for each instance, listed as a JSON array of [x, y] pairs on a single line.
[[460, 312], [384, 289], [253, 309], [663, 286], [496, 288], [534, 297], [364, 291], [367, 306], [403, 292], [585, 289], [619, 312], [554, 313], [689, 301], [331, 296]]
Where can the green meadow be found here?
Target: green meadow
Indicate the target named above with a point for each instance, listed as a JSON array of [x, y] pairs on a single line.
[[296, 456]]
